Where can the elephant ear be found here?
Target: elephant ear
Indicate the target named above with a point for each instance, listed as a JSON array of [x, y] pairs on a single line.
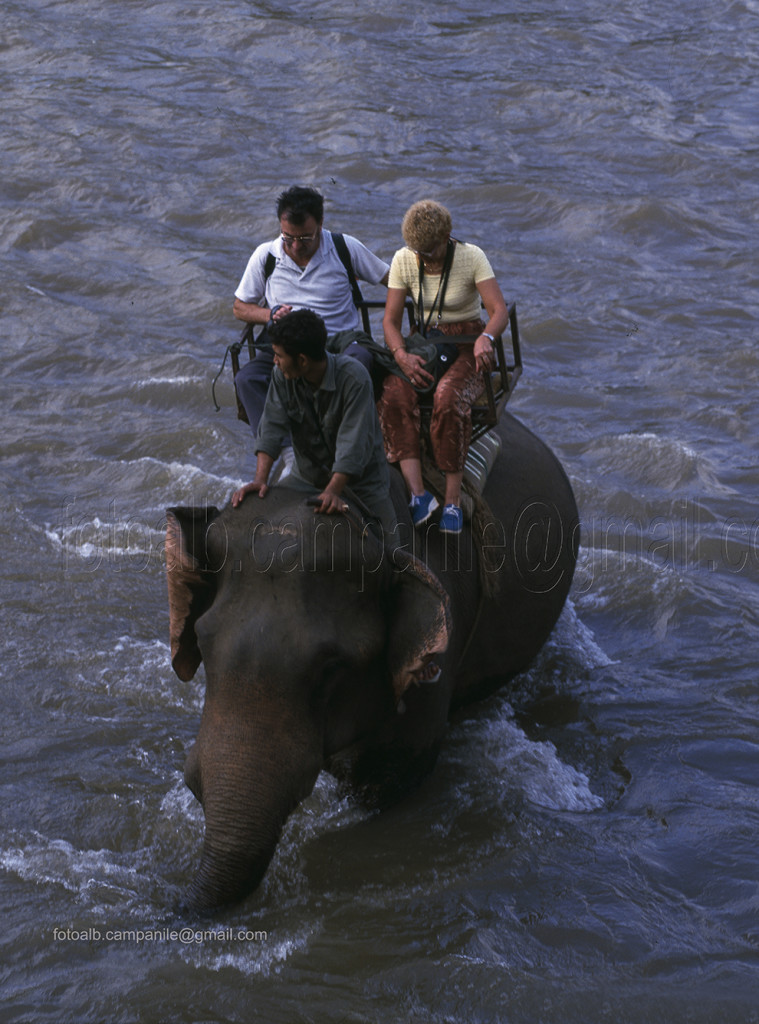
[[420, 625], [191, 589]]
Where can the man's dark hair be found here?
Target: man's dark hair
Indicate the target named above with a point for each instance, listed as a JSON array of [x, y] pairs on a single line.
[[299, 202], [302, 331]]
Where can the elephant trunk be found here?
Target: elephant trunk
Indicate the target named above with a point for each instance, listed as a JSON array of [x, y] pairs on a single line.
[[229, 872], [245, 810]]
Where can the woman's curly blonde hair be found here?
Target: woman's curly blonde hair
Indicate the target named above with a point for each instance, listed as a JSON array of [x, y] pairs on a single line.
[[425, 225]]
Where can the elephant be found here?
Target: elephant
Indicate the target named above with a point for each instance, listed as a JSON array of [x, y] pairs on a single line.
[[326, 647]]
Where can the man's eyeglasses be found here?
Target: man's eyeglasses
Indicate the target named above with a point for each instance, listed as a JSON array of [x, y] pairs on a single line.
[[292, 239]]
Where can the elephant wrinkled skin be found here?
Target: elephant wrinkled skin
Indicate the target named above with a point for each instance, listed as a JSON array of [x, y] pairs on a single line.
[[315, 637]]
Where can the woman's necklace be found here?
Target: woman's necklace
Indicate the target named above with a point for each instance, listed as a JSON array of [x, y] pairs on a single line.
[[433, 267]]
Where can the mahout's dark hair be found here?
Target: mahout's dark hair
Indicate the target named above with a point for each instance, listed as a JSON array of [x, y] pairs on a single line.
[[298, 202], [300, 332]]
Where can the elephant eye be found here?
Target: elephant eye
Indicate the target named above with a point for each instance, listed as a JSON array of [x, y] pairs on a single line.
[[333, 671], [334, 667]]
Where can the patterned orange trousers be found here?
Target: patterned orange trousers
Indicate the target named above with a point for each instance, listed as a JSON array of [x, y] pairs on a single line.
[[451, 422]]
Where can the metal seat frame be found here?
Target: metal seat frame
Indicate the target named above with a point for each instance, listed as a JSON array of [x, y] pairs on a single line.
[[499, 385]]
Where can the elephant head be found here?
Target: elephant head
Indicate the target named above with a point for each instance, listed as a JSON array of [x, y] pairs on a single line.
[[310, 632]]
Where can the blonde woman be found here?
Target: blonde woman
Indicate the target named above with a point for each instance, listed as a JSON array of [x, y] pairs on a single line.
[[448, 282]]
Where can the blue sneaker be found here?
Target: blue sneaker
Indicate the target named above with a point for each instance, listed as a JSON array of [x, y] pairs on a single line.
[[452, 519], [422, 506]]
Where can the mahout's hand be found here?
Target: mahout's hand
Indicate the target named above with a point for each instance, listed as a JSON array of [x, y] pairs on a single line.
[[329, 502], [255, 487]]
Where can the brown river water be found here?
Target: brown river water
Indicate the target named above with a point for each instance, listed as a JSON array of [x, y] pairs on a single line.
[[587, 849]]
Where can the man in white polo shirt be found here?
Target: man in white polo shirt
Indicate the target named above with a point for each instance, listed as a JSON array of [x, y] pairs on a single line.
[[301, 269]]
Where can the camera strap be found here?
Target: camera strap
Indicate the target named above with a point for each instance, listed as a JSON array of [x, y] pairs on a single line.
[[439, 299]]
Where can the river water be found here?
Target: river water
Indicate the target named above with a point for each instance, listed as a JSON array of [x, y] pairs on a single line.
[[587, 849]]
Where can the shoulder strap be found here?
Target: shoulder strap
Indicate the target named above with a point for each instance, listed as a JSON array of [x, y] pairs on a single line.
[[345, 259]]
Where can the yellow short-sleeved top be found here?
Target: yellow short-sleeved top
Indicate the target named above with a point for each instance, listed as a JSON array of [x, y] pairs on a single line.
[[462, 300]]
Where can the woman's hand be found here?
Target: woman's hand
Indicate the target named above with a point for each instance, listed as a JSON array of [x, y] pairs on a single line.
[[413, 367], [484, 356], [411, 364]]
